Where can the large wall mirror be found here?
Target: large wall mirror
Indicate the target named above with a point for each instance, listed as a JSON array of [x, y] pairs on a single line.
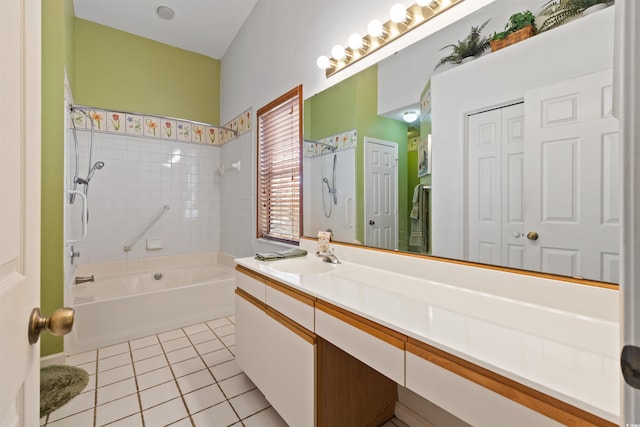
[[512, 161]]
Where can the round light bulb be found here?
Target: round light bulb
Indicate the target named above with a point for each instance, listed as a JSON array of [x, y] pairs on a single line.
[[355, 41], [338, 52], [423, 3], [323, 62], [409, 116], [398, 13], [375, 28]]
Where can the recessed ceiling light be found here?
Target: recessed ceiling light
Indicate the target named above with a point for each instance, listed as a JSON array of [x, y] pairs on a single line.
[[165, 12]]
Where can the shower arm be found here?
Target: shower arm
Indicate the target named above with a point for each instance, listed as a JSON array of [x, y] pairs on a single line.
[[155, 219]]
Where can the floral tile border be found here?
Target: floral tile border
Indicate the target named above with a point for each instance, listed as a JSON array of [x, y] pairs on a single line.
[[161, 127], [342, 141], [241, 124]]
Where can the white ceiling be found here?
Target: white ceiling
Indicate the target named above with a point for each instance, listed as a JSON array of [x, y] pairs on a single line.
[[203, 26]]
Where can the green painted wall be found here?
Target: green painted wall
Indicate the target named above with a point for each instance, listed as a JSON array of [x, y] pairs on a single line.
[[69, 39], [352, 104], [121, 71], [110, 69], [56, 29]]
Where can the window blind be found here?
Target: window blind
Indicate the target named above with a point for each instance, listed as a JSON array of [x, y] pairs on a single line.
[[279, 160]]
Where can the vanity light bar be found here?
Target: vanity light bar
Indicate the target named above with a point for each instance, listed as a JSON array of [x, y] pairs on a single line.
[[416, 15]]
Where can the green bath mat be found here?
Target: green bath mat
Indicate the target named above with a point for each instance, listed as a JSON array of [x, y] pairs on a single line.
[[58, 385]]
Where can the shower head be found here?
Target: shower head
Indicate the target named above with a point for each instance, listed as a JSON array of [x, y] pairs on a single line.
[[96, 165]]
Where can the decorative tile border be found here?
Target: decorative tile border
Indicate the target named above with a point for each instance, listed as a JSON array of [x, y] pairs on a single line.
[[241, 124], [159, 127], [342, 141]]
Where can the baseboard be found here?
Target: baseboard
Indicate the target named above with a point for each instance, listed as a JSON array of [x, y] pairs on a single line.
[[52, 359], [410, 418]]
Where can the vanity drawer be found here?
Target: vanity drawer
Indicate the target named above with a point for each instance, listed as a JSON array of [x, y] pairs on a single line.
[[251, 283], [373, 344], [482, 397], [294, 304]]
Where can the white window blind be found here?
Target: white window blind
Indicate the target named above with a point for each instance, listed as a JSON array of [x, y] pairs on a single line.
[[279, 159]]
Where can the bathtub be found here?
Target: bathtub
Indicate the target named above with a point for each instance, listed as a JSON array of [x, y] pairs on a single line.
[[134, 299]]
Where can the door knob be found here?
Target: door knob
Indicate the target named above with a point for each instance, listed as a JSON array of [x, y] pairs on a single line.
[[59, 323], [371, 222], [532, 235]]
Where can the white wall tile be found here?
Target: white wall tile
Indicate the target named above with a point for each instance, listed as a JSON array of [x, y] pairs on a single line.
[[139, 177]]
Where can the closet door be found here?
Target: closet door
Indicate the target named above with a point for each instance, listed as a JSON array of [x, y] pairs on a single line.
[[513, 239], [572, 178], [485, 199], [495, 183]]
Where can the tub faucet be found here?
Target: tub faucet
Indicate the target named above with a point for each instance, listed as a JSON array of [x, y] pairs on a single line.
[[80, 279], [330, 257]]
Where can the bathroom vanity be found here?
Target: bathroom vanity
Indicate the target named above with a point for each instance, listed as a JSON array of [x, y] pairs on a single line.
[[328, 344]]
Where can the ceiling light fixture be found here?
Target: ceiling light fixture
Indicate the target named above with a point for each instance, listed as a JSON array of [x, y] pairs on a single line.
[[409, 116], [165, 12], [402, 20]]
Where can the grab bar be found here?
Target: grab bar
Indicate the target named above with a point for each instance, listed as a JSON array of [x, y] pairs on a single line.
[[85, 215], [155, 219]]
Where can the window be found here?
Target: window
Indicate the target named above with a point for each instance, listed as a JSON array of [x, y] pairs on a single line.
[[279, 160]]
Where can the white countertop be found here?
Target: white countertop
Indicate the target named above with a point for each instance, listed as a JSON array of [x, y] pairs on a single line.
[[570, 356]]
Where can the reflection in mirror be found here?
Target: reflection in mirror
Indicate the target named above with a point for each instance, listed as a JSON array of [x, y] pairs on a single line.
[[329, 178], [515, 144]]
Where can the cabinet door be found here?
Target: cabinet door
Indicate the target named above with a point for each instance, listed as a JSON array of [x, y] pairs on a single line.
[[279, 358]]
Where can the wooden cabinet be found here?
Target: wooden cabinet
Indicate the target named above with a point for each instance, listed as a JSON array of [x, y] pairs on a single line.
[[347, 374], [310, 381], [279, 357]]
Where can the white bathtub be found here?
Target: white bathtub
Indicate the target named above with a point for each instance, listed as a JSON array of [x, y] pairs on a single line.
[[126, 302]]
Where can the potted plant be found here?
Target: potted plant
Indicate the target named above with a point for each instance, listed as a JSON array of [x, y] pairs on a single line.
[[560, 11], [521, 26], [468, 48]]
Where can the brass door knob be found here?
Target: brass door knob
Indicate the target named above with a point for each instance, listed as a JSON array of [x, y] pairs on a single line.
[[59, 323], [532, 235]]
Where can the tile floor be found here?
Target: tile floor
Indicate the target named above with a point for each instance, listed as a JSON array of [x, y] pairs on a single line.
[[184, 377]]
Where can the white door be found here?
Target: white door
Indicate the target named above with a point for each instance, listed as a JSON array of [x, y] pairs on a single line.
[[484, 189], [495, 174], [380, 193], [19, 209], [573, 178]]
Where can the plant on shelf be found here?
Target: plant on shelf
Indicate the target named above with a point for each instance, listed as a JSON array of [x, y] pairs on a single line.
[[560, 11], [471, 46], [521, 26], [520, 20]]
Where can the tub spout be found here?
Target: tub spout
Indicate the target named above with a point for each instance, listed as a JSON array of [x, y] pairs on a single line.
[[84, 279]]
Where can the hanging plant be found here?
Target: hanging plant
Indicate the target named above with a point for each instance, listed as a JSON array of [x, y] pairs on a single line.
[[472, 45]]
